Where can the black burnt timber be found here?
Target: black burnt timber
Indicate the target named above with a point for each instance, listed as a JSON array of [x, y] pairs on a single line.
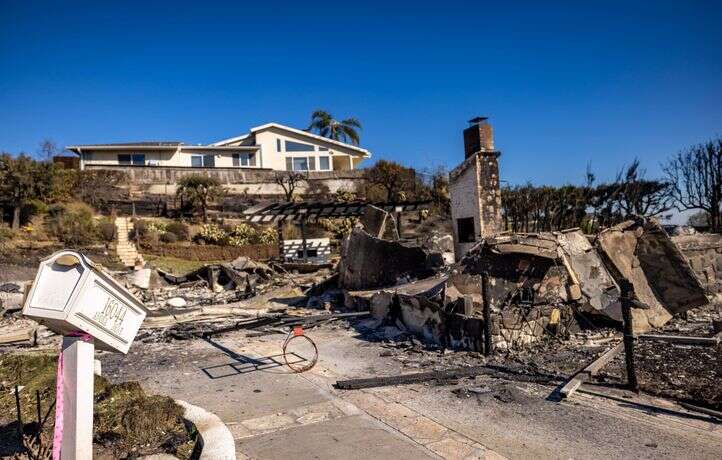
[[488, 343], [627, 302], [686, 340], [447, 375], [702, 410], [592, 369], [283, 321], [373, 382]]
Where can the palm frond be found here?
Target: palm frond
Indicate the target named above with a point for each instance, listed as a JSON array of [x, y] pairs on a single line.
[[353, 122], [349, 133], [320, 121]]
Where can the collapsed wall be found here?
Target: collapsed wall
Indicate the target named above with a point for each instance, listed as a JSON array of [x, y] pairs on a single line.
[[642, 252], [704, 254], [369, 262]]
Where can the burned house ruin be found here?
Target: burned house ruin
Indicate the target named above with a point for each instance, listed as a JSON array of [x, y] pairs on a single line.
[[537, 284]]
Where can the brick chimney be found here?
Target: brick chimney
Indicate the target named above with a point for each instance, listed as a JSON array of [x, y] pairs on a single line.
[[478, 137]]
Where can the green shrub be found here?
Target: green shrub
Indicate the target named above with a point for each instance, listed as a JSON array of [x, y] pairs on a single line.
[[211, 234], [73, 224], [339, 227], [269, 235], [168, 237], [139, 229], [179, 229], [6, 233], [243, 235], [31, 209], [143, 227], [107, 231], [156, 226], [150, 238]]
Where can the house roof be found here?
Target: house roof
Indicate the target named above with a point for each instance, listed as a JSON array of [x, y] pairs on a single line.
[[144, 145], [156, 146], [267, 126], [133, 144]]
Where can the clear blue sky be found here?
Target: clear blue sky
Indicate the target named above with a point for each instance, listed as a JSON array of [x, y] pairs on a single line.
[[563, 82]]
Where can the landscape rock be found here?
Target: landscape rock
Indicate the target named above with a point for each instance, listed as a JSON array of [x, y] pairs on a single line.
[[140, 278], [176, 302]]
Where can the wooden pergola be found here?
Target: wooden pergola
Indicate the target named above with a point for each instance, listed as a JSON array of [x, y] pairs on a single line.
[[302, 212]]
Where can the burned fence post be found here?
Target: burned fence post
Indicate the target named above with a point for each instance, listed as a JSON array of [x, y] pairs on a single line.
[[488, 345], [19, 412], [627, 300], [39, 414], [279, 233], [303, 240]]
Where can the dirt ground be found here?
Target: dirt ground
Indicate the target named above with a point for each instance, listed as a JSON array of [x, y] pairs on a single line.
[[274, 413]]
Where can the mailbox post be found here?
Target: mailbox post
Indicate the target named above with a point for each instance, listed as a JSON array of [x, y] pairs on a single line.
[[77, 408], [74, 297]]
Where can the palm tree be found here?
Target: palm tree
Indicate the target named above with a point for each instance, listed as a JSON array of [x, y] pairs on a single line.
[[344, 130]]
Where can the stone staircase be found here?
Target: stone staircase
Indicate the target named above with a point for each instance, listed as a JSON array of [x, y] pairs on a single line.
[[126, 250]]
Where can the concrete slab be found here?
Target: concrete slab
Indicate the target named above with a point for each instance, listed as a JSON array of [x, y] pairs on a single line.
[[355, 437], [234, 386]]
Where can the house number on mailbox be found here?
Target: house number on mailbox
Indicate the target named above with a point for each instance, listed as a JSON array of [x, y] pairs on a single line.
[[112, 315]]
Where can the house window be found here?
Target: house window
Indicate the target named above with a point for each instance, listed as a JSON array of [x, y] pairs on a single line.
[[244, 159], [278, 145], [203, 161], [465, 230], [136, 159], [298, 147], [300, 164], [324, 163]]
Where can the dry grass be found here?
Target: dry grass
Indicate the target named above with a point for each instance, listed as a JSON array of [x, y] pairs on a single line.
[[177, 266], [127, 422]]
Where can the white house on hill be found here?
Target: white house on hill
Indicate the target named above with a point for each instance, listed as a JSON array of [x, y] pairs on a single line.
[[270, 146]]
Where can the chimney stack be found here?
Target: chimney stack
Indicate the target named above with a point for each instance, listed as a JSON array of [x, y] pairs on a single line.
[[478, 137], [474, 189]]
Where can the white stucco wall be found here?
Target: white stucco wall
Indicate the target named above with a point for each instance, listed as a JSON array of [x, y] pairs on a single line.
[[110, 157], [464, 196], [339, 157], [223, 158]]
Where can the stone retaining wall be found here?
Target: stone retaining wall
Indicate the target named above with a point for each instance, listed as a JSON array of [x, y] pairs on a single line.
[[160, 180], [704, 253]]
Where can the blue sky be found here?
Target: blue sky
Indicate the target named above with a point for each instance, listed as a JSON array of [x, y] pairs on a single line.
[[565, 83]]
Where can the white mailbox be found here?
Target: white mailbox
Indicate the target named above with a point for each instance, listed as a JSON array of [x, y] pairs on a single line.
[[72, 294]]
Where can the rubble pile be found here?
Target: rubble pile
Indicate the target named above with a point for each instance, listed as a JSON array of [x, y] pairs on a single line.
[[209, 285], [543, 284]]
